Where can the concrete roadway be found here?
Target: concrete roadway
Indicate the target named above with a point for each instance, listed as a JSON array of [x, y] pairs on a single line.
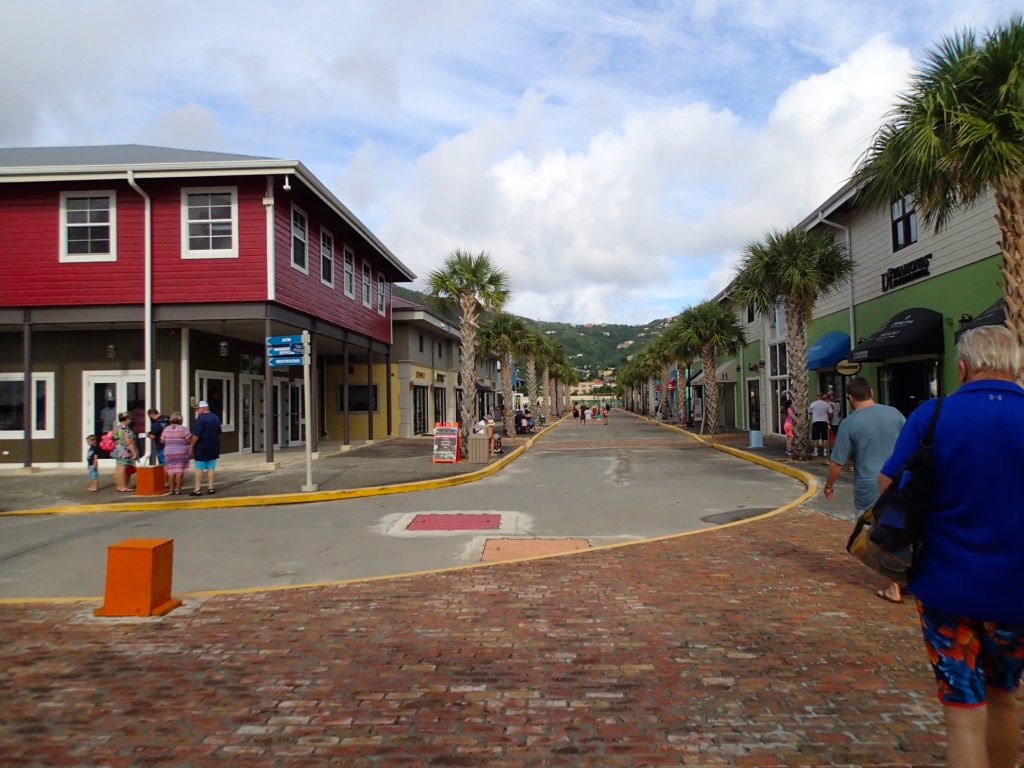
[[626, 481]]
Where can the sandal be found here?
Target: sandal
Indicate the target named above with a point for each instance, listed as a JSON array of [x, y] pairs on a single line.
[[196, 493], [211, 491], [885, 594]]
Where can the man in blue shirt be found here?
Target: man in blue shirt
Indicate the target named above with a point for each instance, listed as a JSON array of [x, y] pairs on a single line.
[[205, 446], [970, 570]]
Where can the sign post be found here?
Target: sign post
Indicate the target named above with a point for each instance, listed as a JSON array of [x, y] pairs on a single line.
[[284, 352]]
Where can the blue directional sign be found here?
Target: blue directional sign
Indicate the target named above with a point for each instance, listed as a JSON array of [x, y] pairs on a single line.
[[283, 341], [281, 362], [294, 349]]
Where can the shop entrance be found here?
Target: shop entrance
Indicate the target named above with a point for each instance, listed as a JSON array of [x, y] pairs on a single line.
[[754, 404], [107, 393], [905, 386], [439, 405], [419, 410]]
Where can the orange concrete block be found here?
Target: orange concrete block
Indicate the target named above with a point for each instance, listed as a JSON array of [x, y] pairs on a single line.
[[149, 480], [139, 578], [496, 550]]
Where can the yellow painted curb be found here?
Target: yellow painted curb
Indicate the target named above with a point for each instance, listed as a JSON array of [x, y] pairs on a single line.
[[273, 499]]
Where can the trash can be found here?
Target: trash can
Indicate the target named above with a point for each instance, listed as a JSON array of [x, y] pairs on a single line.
[[478, 449], [756, 439]]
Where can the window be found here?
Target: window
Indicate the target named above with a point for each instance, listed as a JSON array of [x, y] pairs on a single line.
[[904, 222], [350, 273], [750, 313], [421, 342], [88, 226], [367, 286], [357, 398], [299, 240], [217, 389], [209, 221], [326, 258], [12, 406], [381, 295]]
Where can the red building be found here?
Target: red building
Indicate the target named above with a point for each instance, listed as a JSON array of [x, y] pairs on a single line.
[[137, 276]]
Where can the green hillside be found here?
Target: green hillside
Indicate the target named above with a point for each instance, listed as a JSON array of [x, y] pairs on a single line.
[[592, 348]]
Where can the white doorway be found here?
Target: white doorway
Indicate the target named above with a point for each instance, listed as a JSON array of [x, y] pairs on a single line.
[[251, 414], [289, 421], [108, 393]]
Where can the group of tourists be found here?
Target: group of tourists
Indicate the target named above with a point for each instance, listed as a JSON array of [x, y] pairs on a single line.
[[969, 568], [174, 445], [582, 414]]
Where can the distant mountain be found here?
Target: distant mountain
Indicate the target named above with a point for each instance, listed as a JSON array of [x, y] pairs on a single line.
[[591, 347]]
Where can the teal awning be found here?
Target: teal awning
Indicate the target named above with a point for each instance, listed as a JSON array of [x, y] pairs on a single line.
[[828, 350]]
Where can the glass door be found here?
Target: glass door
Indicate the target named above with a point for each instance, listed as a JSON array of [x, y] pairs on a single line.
[[108, 393], [419, 410], [439, 405], [296, 422], [754, 404]]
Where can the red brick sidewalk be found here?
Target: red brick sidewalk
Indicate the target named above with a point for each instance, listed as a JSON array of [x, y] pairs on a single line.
[[754, 645]]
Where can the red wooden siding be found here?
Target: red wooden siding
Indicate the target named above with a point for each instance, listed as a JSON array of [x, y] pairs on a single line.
[[34, 275], [306, 292]]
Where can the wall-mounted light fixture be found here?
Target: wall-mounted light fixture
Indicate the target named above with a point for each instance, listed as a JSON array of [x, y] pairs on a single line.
[[965, 319], [111, 351], [223, 348]]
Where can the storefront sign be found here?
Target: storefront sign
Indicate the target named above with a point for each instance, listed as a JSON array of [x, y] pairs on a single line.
[[421, 375], [446, 443], [846, 368], [905, 273]]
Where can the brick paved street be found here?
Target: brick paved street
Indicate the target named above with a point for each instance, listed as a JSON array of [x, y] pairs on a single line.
[[753, 645]]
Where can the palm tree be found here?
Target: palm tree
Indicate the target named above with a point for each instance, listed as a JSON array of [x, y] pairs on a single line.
[[502, 335], [547, 354], [531, 349], [796, 268], [473, 284], [714, 329], [957, 133], [662, 352], [684, 351]]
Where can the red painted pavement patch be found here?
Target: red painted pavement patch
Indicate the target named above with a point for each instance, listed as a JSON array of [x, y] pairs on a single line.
[[454, 522]]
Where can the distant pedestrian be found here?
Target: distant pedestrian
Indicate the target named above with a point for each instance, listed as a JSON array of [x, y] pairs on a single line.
[[205, 447], [175, 441], [92, 460], [157, 423], [866, 437], [576, 414], [125, 452], [588, 415], [969, 573], [821, 411], [604, 414], [788, 412]]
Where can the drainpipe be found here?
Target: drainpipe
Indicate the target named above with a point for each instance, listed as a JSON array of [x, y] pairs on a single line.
[[147, 319], [849, 250]]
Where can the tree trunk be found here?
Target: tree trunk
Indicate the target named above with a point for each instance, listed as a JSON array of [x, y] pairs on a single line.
[[547, 392], [796, 354], [507, 415], [467, 345], [531, 380], [666, 406], [650, 396], [1010, 218], [707, 360]]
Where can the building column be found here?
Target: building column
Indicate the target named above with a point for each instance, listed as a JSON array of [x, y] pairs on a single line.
[[387, 387], [369, 393], [268, 400], [346, 430], [29, 394]]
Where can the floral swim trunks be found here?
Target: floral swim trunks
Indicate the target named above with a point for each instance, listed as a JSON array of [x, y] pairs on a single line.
[[968, 655]]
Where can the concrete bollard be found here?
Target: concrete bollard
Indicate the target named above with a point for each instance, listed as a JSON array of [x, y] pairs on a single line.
[[139, 578], [149, 480]]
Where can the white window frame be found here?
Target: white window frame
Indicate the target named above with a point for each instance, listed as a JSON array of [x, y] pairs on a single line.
[[209, 253], [37, 434], [326, 252], [78, 258], [227, 419], [382, 293], [367, 285], [349, 284], [305, 238]]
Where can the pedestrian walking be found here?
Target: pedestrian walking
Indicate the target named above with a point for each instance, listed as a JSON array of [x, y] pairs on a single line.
[[788, 412], [176, 441], [970, 567], [576, 414], [205, 447], [604, 414], [821, 411]]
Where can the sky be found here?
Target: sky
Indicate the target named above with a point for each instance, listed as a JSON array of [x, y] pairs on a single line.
[[613, 157]]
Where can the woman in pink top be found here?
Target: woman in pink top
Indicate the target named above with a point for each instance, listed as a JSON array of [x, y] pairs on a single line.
[[175, 438], [787, 425]]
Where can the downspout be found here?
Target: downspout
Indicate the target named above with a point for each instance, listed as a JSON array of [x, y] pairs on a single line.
[[849, 251], [147, 299], [268, 204]]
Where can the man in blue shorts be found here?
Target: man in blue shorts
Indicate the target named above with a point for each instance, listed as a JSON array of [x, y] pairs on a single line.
[[970, 571], [205, 446]]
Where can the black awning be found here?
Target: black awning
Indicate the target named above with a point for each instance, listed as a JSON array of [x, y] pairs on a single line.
[[915, 331], [994, 315]]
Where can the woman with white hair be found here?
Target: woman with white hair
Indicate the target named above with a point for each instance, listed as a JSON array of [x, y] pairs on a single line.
[[970, 570]]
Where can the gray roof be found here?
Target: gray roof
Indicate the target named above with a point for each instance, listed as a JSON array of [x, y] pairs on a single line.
[[116, 154]]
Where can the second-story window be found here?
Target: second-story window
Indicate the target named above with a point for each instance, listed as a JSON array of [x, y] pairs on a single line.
[[381, 295], [88, 227], [904, 222], [367, 286], [209, 223], [326, 258], [300, 240], [350, 273]]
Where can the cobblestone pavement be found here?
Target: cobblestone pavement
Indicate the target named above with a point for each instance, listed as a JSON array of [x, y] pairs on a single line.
[[754, 645]]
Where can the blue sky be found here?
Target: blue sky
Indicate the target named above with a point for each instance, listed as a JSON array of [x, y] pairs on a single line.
[[614, 157]]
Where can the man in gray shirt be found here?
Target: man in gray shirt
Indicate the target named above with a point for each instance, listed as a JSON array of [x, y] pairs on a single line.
[[867, 438]]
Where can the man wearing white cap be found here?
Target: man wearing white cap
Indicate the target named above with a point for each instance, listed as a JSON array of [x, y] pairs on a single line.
[[205, 446]]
